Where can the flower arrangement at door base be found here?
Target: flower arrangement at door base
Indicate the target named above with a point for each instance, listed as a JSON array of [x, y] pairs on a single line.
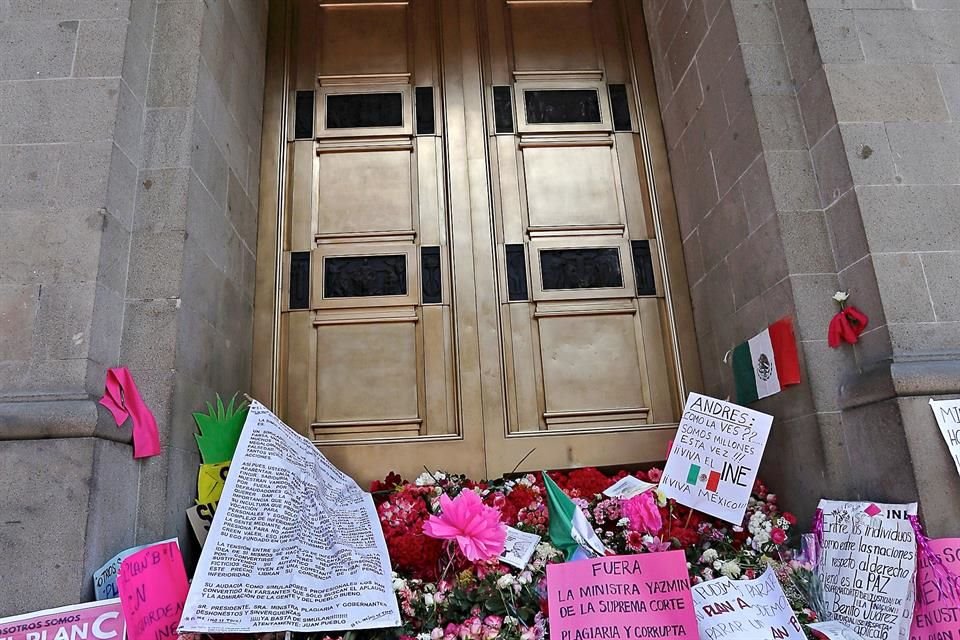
[[442, 529]]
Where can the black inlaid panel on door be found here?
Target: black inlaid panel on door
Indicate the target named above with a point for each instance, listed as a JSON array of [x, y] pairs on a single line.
[[358, 110], [360, 276], [581, 268], [562, 106]]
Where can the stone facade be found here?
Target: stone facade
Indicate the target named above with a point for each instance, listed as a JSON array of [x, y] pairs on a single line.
[[129, 172], [814, 146]]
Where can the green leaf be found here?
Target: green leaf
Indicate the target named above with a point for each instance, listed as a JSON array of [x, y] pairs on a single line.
[[220, 430]]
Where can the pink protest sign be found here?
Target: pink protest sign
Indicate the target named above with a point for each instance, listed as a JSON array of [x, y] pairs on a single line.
[[936, 615], [153, 587], [622, 598], [101, 620]]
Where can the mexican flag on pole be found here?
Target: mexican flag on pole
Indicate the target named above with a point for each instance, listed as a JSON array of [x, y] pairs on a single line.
[[766, 363], [569, 529]]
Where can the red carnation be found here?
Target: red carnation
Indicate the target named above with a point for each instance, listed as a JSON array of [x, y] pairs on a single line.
[[778, 535]]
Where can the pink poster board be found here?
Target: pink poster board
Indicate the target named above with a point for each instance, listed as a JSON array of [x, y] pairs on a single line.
[[622, 598], [101, 620], [153, 588], [936, 615]]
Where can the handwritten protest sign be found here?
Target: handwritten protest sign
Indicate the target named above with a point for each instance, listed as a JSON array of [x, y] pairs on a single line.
[[833, 630], [518, 548], [621, 598], [91, 621], [153, 587], [867, 567], [715, 456], [105, 578], [937, 612], [738, 609], [947, 413], [295, 544]]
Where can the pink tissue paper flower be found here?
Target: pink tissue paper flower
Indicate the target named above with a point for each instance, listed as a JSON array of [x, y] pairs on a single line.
[[475, 526], [642, 513]]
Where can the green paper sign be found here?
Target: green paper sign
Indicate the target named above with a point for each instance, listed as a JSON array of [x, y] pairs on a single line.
[[220, 430]]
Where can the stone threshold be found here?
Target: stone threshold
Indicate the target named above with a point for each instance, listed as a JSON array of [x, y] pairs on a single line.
[[57, 416]]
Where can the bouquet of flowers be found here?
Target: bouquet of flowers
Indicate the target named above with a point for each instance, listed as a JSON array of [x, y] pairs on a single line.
[[445, 534]]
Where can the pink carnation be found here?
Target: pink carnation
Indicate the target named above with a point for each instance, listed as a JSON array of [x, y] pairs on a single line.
[[655, 474], [475, 526], [642, 513]]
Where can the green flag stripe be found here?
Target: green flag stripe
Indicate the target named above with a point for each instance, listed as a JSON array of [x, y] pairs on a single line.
[[743, 376], [693, 474]]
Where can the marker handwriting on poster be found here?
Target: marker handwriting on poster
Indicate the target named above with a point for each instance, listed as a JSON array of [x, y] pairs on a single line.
[[737, 609], [937, 612], [153, 587], [947, 413], [715, 457], [101, 620], [622, 598], [867, 567]]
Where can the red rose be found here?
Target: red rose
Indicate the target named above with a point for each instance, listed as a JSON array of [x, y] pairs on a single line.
[[778, 535], [789, 517]]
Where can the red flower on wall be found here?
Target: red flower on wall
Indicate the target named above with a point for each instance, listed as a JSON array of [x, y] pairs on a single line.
[[847, 325]]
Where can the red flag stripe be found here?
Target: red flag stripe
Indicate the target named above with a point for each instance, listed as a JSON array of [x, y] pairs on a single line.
[[785, 351], [713, 481]]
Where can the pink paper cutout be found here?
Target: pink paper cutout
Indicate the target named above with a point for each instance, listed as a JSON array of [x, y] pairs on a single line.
[[153, 589], [122, 400]]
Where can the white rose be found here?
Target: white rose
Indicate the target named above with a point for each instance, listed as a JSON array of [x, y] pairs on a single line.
[[424, 480], [505, 581], [717, 565], [709, 556], [623, 522], [841, 296], [399, 584], [428, 599], [730, 569]]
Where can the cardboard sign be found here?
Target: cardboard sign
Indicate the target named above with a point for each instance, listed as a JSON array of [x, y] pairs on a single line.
[[622, 598], [867, 567], [833, 631], [715, 457], [105, 578], [738, 609], [210, 481], [200, 517], [518, 548], [627, 487], [153, 587], [92, 621], [947, 413], [295, 544], [937, 613]]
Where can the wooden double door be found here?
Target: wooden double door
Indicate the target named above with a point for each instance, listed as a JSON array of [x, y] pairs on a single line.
[[472, 262]]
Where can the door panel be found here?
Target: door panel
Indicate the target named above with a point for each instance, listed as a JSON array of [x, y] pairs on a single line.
[[469, 251]]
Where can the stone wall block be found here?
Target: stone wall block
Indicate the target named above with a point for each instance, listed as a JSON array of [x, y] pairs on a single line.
[[829, 367], [860, 281], [897, 278], [114, 254], [735, 87], [847, 236], [813, 293], [156, 264], [668, 22], [806, 242], [756, 21], [925, 153], [682, 106], [76, 110], [816, 107], [706, 126], [942, 272], [178, 26], [166, 138], [757, 195], [910, 36], [901, 218], [150, 334], [723, 228], [799, 40], [242, 213], [928, 338], [62, 330], [100, 48], [949, 75], [128, 132], [693, 257], [208, 163], [831, 167], [868, 152], [886, 92], [173, 79], [162, 200], [121, 192], [37, 50], [757, 263], [83, 175], [136, 66], [736, 149], [18, 312], [720, 43], [792, 180], [767, 69], [680, 52], [105, 335], [836, 34], [781, 127]]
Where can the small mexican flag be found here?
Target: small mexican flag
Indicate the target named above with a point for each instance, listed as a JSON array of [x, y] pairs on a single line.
[[766, 363], [569, 529]]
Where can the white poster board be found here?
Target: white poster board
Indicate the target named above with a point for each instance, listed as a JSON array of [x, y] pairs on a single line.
[[518, 547], [834, 630], [867, 567], [295, 544], [738, 609], [715, 457], [947, 413]]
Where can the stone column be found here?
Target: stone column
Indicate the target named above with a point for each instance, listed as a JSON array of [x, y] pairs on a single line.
[[129, 170]]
